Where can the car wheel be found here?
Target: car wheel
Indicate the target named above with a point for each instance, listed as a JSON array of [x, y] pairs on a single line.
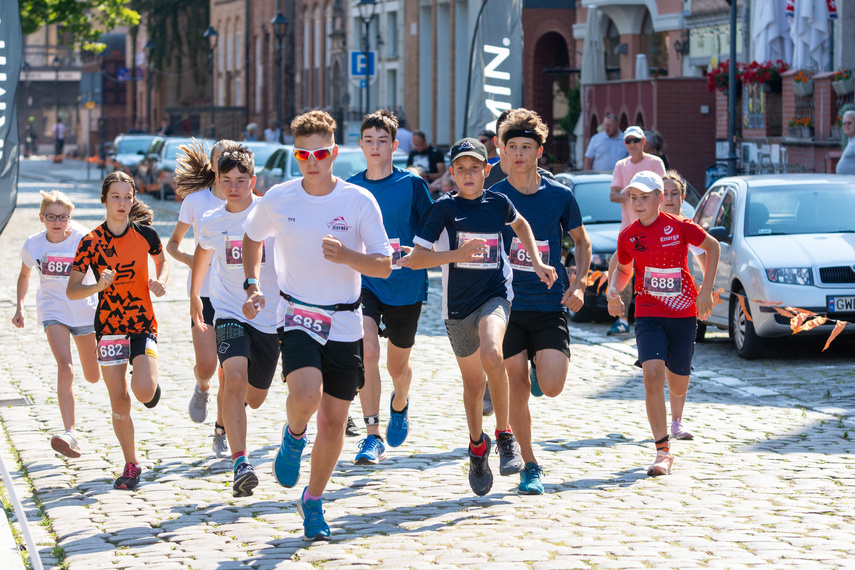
[[701, 333], [748, 345]]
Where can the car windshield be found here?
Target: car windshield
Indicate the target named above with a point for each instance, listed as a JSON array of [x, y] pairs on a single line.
[[794, 209], [132, 146], [594, 203]]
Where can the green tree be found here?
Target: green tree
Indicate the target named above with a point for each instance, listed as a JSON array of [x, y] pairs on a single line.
[[84, 20]]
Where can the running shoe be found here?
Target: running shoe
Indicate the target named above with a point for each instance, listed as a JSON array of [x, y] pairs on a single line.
[[678, 430], [286, 465], [619, 328], [530, 483], [662, 464], [154, 400], [130, 477], [488, 402], [351, 430], [371, 451], [198, 407], [245, 480], [480, 476], [220, 446], [314, 525], [510, 460], [535, 387], [399, 424], [66, 444]]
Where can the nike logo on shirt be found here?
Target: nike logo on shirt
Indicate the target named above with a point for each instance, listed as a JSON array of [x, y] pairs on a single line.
[[459, 219]]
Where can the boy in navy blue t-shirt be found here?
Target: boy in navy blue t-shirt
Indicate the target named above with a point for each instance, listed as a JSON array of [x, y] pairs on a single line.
[[462, 232]]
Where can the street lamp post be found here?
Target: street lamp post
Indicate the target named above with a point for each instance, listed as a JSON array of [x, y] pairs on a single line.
[[56, 64], [279, 24], [367, 10], [212, 36], [149, 48]]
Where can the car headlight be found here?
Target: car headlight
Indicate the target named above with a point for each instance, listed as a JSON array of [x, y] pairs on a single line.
[[791, 275], [601, 259]]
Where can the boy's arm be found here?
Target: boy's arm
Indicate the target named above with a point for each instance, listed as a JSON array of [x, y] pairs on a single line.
[[368, 264], [201, 259], [23, 287], [617, 282], [705, 301], [574, 297], [523, 230], [423, 258]]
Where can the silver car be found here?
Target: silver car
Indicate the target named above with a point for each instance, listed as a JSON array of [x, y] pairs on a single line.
[[787, 240]]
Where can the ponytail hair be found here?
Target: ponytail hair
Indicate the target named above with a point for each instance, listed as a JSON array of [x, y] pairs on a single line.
[[193, 172], [139, 213]]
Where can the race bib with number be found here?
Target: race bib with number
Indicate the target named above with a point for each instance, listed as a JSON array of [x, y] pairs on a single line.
[[234, 252], [520, 257], [311, 320], [397, 252], [57, 265], [114, 350], [663, 282], [490, 260]]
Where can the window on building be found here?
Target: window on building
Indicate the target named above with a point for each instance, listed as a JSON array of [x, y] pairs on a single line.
[[238, 51], [238, 91], [259, 73], [654, 45], [391, 34]]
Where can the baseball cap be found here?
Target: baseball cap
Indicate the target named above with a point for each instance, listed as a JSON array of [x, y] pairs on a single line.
[[646, 181], [633, 132], [469, 147]]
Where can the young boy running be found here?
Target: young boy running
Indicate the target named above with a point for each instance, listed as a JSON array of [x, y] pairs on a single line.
[[397, 300], [328, 233], [247, 345], [537, 329], [463, 233], [667, 304]]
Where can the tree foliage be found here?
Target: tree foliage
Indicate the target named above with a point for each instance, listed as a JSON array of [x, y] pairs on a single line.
[[84, 20]]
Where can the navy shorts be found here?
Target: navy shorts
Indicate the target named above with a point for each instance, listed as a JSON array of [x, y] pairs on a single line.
[[668, 339], [236, 338], [536, 330], [402, 321], [207, 313], [340, 363]]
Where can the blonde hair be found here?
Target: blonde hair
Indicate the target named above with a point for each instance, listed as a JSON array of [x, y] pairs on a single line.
[[313, 123], [674, 176], [55, 197]]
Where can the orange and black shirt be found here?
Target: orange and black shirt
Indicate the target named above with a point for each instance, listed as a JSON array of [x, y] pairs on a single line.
[[125, 306]]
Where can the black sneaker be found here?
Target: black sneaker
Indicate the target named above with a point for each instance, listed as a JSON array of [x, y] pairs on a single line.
[[155, 399], [130, 477], [245, 480], [480, 476], [351, 430], [510, 460]]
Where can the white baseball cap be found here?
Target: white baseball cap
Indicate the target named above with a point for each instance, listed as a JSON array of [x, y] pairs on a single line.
[[633, 132], [646, 181]]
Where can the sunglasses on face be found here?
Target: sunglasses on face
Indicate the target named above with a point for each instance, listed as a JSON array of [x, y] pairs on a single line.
[[632, 141], [55, 217], [319, 153]]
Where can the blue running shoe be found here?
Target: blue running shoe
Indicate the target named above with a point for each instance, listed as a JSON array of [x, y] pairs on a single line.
[[619, 328], [399, 424], [535, 387], [245, 480], [530, 483], [371, 451], [286, 465], [314, 525]]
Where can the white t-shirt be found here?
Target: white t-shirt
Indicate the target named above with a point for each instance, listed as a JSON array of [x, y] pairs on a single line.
[[222, 231], [193, 208], [53, 262], [299, 222]]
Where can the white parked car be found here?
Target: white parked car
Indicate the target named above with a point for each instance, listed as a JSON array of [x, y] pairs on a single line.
[[787, 239]]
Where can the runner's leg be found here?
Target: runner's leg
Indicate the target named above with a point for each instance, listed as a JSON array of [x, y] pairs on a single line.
[[678, 386], [520, 391], [234, 390], [491, 331], [144, 377], [87, 350], [398, 365], [369, 396], [473, 392], [654, 384], [59, 339], [120, 403], [552, 367], [331, 420]]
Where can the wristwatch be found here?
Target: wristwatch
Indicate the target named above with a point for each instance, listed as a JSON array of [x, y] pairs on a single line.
[[248, 282]]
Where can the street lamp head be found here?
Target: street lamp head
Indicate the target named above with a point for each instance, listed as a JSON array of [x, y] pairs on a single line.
[[56, 63], [367, 9], [279, 23], [212, 36]]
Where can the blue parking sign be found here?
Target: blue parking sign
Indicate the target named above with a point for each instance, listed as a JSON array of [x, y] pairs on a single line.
[[360, 66]]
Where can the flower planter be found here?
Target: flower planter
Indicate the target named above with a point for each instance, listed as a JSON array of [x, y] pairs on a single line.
[[843, 87], [803, 88], [835, 133], [803, 132]]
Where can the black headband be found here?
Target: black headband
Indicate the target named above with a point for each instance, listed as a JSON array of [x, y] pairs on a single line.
[[514, 133]]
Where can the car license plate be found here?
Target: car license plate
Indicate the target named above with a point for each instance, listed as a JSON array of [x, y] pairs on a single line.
[[841, 304]]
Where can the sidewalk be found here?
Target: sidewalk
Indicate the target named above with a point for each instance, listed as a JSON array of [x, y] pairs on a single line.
[[764, 484]]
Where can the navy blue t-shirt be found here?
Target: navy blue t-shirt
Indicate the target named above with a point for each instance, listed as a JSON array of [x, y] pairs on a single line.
[[551, 212], [403, 198], [451, 221]]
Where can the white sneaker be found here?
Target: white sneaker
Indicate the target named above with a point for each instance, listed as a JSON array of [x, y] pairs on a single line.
[[220, 445], [66, 444], [198, 407], [662, 464], [679, 431]]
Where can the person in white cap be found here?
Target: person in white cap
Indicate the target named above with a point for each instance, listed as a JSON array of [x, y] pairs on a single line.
[[625, 169], [667, 304]]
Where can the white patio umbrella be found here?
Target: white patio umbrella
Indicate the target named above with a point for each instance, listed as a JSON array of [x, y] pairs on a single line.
[[642, 68], [810, 33], [770, 31], [593, 53]]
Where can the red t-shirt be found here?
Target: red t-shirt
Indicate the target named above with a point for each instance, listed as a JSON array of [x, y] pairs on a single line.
[[663, 284]]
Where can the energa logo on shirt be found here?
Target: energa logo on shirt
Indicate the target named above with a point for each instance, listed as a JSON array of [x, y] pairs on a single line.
[[338, 224]]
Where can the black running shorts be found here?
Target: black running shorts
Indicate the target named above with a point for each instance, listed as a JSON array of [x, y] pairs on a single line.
[[340, 363]]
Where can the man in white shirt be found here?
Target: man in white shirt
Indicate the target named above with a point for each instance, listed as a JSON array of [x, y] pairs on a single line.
[[606, 147]]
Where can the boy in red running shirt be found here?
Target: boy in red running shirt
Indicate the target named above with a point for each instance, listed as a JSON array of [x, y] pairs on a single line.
[[667, 304]]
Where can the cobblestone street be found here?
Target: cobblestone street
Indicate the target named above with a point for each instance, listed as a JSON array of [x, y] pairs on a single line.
[[769, 480]]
